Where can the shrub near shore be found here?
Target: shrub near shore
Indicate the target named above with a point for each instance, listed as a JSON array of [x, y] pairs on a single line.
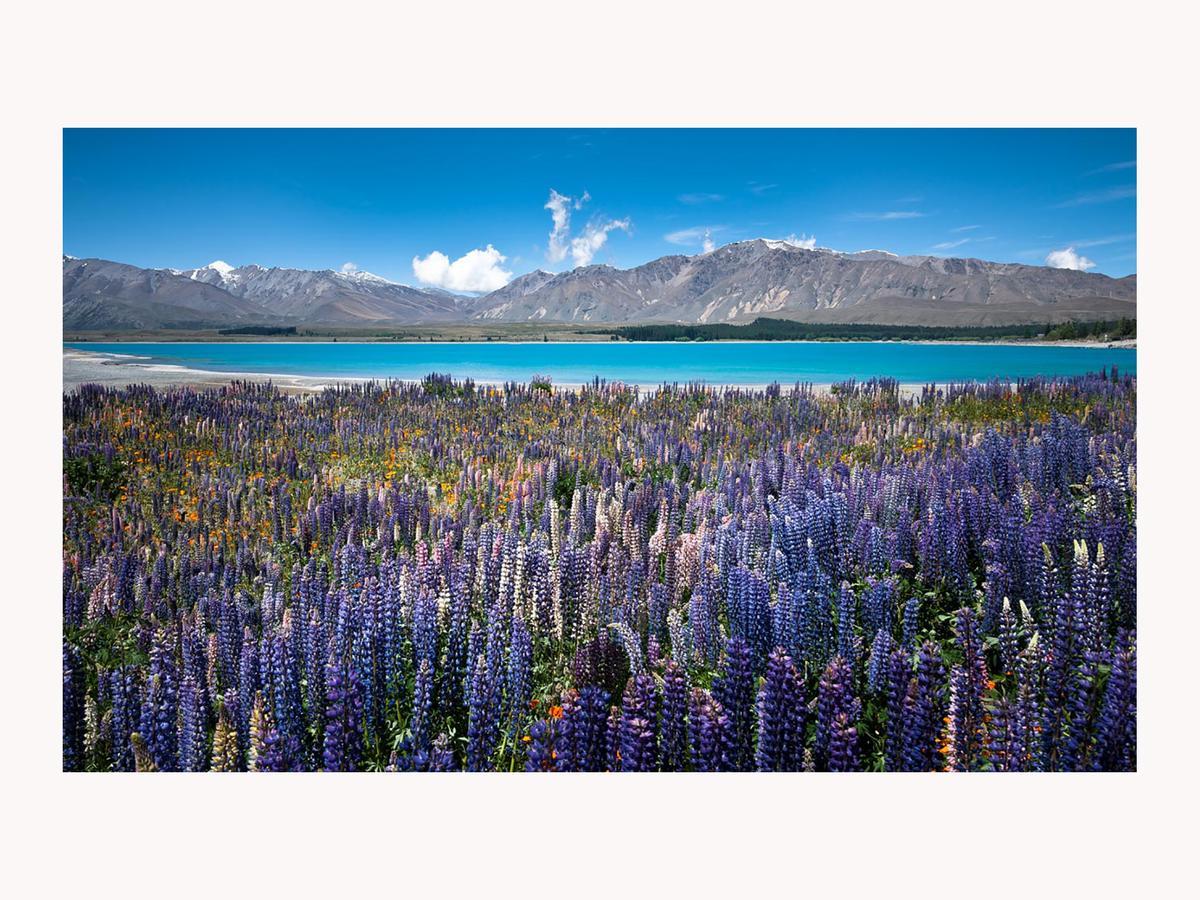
[[443, 576]]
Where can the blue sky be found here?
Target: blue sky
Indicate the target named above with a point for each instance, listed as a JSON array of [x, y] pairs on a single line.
[[467, 209]]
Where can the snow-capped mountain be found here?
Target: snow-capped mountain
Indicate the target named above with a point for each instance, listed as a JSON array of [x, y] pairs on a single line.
[[220, 294], [98, 294], [734, 283]]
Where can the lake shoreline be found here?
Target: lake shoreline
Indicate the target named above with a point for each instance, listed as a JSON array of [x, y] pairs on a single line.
[[1126, 344], [110, 370], [117, 370]]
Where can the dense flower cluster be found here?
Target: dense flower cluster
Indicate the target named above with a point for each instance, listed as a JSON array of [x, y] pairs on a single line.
[[440, 577]]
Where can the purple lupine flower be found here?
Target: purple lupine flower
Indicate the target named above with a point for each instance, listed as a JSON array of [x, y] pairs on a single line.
[[1008, 637], [441, 756], [781, 716], [272, 757], [923, 712], [675, 753], [248, 677], [1005, 737], [457, 660], [193, 745], [849, 643], [1116, 732], [750, 612], [122, 688], [73, 710], [968, 681], [387, 566], [422, 707], [835, 697], [541, 755], [342, 751], [879, 610], [281, 690], [1127, 582], [734, 690], [1028, 715], [482, 726], [583, 730], [314, 668], [709, 729], [520, 656], [639, 725], [877, 667], [154, 725], [899, 673], [912, 614], [843, 744], [159, 706], [425, 629]]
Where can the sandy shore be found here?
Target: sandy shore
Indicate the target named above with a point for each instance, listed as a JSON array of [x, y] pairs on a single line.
[[88, 367], [1129, 344]]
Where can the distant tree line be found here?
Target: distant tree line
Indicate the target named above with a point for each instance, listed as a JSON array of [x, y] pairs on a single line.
[[765, 329], [1122, 329], [271, 330]]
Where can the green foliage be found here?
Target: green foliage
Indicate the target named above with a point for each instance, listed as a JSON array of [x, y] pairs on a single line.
[[1122, 329], [565, 484], [766, 329], [442, 386], [108, 643], [262, 330], [95, 475]]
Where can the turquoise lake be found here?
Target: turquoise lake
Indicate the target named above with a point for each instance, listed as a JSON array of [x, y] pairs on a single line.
[[635, 363]]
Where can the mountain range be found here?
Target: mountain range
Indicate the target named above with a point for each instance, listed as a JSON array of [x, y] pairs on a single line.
[[735, 283]]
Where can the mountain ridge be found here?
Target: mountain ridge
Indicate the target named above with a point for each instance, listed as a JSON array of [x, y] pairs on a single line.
[[734, 283]]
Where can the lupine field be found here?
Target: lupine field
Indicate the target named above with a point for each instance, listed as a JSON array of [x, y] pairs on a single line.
[[442, 576]]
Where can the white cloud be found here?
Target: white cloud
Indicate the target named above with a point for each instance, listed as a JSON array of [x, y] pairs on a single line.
[[477, 271], [1100, 242], [583, 247], [962, 228], [950, 245], [560, 214], [697, 198], [698, 235], [1117, 193], [349, 268], [687, 236], [1069, 259], [1113, 167], [587, 245], [803, 241], [889, 216]]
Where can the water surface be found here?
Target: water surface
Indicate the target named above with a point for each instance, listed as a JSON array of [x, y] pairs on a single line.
[[734, 362]]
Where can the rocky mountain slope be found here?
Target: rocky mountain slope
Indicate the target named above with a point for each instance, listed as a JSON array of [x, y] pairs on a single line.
[[740, 282], [735, 283], [101, 294], [326, 297], [98, 294]]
